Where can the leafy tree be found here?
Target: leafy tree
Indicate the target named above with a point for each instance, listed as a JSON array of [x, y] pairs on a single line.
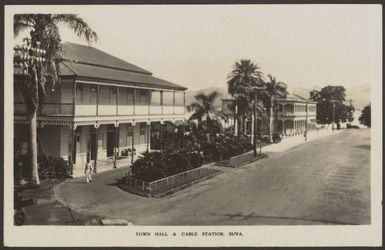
[[204, 109], [245, 75], [273, 90], [325, 99], [43, 29], [365, 117]]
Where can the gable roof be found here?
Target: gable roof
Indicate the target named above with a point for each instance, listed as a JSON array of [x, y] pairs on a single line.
[[88, 62]]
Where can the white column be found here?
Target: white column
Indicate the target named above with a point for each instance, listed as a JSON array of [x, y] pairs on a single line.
[[148, 135], [252, 128], [245, 127]]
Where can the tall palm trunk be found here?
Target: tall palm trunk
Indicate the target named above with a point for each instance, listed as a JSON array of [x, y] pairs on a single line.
[[271, 121], [33, 146], [33, 130]]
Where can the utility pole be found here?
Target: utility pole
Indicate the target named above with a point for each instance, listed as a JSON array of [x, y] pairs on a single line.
[[255, 89], [116, 144], [255, 125], [236, 119], [334, 106], [306, 106]]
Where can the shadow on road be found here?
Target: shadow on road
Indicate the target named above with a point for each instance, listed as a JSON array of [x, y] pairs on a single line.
[[253, 216], [363, 146]]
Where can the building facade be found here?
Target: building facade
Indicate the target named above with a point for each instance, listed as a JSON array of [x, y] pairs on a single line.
[[102, 108], [293, 115]]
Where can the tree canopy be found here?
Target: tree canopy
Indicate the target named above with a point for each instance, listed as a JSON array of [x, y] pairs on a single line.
[[325, 99], [365, 117], [43, 36], [245, 74], [44, 33], [204, 108]]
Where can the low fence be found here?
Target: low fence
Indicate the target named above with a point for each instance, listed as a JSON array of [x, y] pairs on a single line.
[[170, 182], [239, 160]]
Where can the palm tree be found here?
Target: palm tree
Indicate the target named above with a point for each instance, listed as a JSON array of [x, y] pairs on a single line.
[[245, 75], [204, 108], [44, 33], [273, 90]]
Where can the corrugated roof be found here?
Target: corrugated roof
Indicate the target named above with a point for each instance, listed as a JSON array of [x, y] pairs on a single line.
[[93, 72], [90, 55], [88, 62]]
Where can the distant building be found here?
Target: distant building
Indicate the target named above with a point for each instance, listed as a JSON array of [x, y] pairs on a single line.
[[103, 105], [292, 116], [289, 117]]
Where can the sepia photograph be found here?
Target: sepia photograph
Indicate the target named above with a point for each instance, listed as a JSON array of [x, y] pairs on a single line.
[[193, 125]]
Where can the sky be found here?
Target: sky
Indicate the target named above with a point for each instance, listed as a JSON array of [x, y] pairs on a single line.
[[196, 46]]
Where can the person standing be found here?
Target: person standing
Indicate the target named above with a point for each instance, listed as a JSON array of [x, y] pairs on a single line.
[[89, 171]]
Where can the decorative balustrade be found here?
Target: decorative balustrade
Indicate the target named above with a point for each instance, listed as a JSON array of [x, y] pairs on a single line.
[[296, 113], [286, 113], [85, 110], [48, 109]]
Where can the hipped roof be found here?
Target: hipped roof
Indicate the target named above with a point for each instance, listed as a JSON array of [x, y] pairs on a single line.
[[87, 62], [294, 98]]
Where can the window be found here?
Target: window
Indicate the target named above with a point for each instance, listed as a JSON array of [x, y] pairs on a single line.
[[143, 98], [129, 135], [289, 108], [155, 98], [79, 90], [130, 96], [142, 128], [179, 99], [126, 96], [113, 96], [93, 94], [122, 100], [168, 98], [129, 131]]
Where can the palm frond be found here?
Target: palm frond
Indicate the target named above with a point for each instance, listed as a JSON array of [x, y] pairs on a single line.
[[22, 22], [78, 26], [212, 96]]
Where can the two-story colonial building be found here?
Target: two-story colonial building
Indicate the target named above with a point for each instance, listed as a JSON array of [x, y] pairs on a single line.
[[294, 113], [291, 116], [104, 106]]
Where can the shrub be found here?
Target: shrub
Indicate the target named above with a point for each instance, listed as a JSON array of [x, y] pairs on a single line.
[[148, 167], [228, 146], [53, 167], [22, 167], [196, 159], [154, 165]]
